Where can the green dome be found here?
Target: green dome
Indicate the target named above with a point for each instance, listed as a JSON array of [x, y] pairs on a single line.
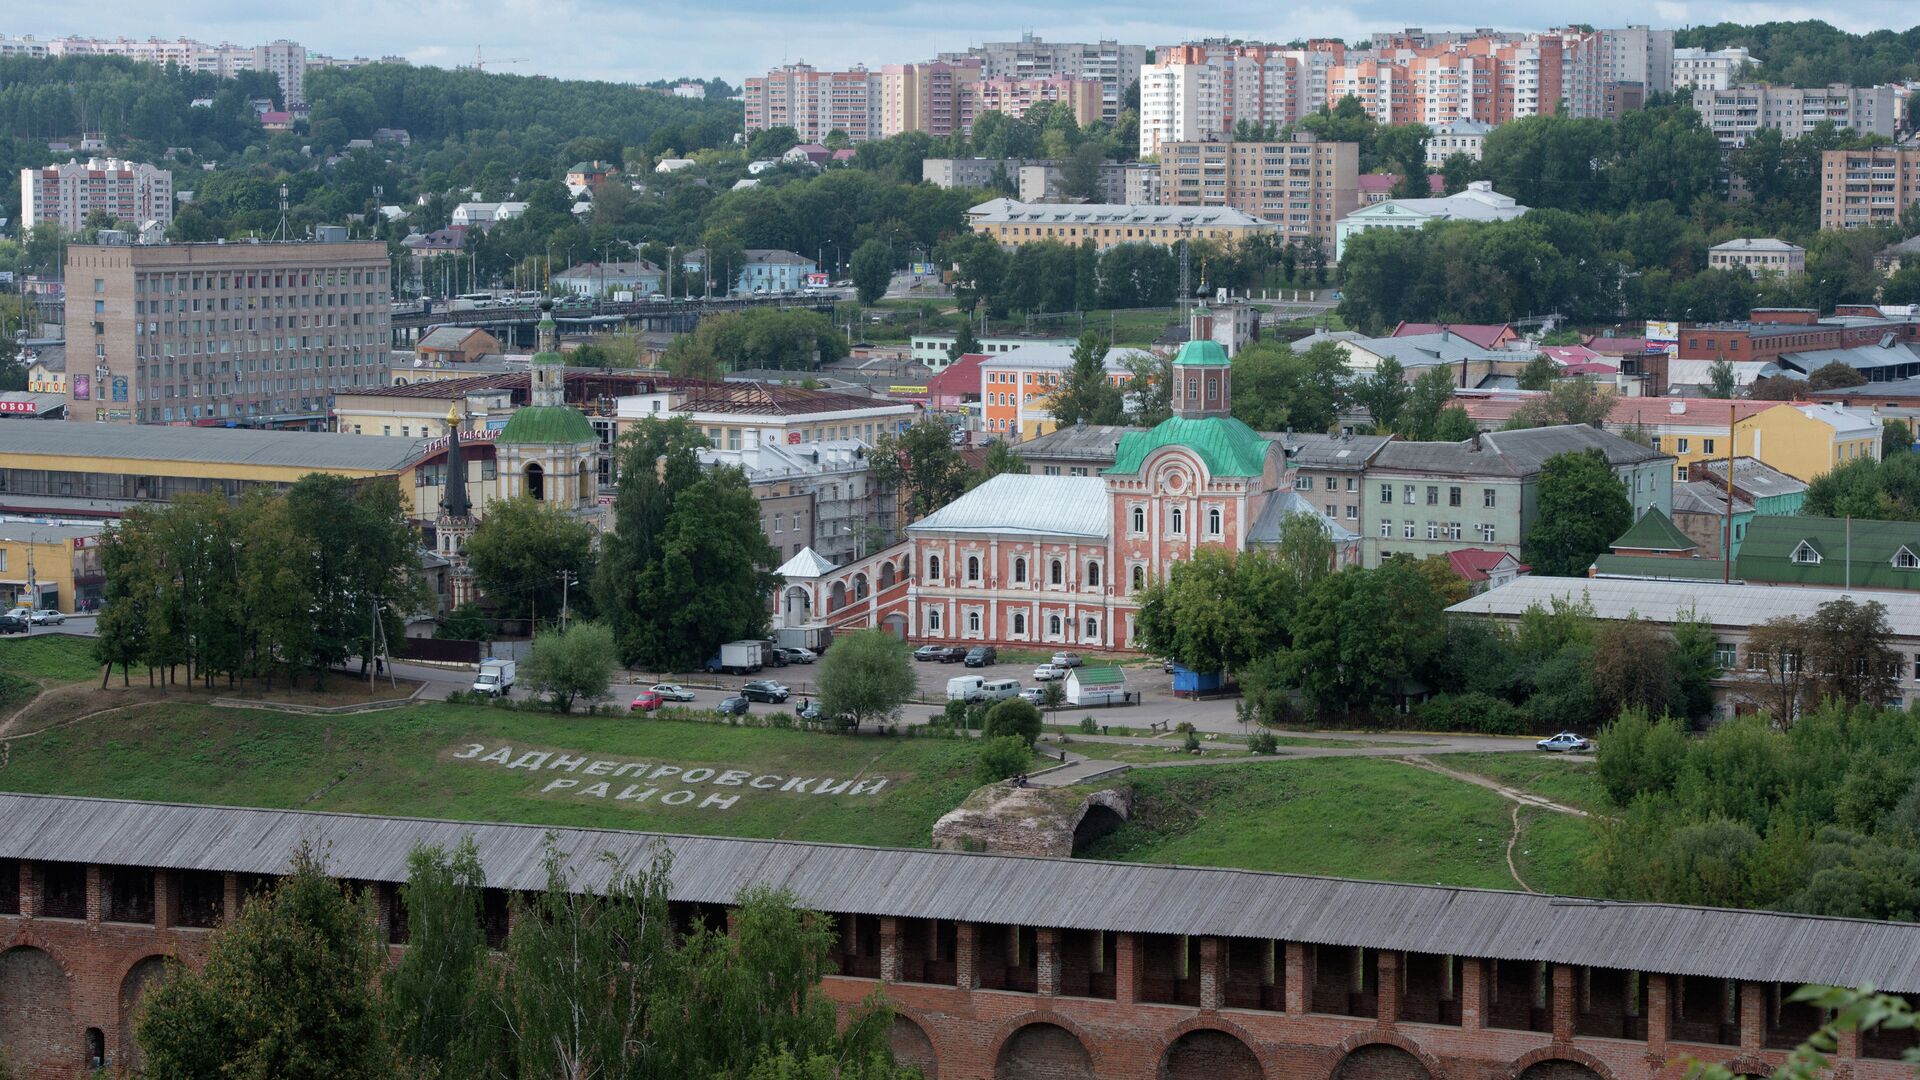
[[548, 425], [548, 358], [1228, 446], [1202, 353]]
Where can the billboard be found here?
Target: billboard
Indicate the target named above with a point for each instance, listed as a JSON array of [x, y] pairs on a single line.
[[1663, 337], [82, 387]]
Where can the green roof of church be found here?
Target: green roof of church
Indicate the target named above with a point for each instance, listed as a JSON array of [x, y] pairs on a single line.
[[1227, 446], [1655, 531], [548, 425], [1202, 352], [550, 356]]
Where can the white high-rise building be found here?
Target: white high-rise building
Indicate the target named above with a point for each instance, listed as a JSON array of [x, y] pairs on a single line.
[[1704, 69], [285, 59], [1179, 103], [66, 195]]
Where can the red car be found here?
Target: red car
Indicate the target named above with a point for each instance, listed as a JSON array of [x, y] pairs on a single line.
[[646, 701]]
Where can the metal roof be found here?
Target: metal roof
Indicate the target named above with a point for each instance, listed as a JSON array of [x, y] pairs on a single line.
[[1511, 453], [807, 564], [1095, 444], [1668, 601], [313, 450], [1004, 889], [1013, 211], [1026, 505]]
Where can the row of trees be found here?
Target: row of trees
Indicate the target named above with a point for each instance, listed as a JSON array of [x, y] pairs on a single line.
[[787, 339], [274, 585], [602, 984]]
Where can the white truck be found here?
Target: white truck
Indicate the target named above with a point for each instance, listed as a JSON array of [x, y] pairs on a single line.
[[738, 658], [495, 677]]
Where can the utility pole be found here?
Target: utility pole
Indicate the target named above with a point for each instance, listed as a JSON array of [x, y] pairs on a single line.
[[566, 583]]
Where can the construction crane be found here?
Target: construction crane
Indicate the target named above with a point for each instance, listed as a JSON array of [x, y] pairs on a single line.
[[480, 62]]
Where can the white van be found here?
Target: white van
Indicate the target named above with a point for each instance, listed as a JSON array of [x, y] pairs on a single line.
[[965, 688], [998, 690]]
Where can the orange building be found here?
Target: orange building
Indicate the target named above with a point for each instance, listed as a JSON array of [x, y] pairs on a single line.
[[1015, 386]]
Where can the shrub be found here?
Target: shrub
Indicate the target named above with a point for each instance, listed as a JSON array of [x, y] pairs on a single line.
[[1087, 726], [1185, 727], [1014, 716], [955, 713], [1000, 758], [1482, 713], [1263, 742], [1192, 743]]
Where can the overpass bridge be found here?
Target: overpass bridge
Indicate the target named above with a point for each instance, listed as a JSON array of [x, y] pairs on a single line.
[[515, 324]]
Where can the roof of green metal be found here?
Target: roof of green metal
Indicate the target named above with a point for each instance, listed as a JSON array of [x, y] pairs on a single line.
[[547, 425], [1227, 446], [1871, 546], [1201, 352], [1100, 676], [1655, 531]]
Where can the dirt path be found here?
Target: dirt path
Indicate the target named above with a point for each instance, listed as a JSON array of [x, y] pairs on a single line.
[[1524, 798]]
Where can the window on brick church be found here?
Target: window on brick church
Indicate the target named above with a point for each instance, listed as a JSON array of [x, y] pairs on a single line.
[[1140, 520], [1213, 521], [1053, 625], [1179, 522], [973, 568], [1019, 571], [1140, 582], [1056, 574], [1193, 388], [1093, 629], [933, 568], [973, 622], [1019, 622], [1093, 575]]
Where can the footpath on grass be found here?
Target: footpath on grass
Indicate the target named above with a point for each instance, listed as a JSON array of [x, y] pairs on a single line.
[[1099, 757]]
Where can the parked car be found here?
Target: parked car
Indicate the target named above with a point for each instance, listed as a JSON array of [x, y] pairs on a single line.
[[14, 624], [982, 655], [1048, 673], [789, 655], [46, 617], [671, 691], [1564, 742], [647, 701], [1066, 660], [930, 652], [954, 655], [1036, 695], [764, 690], [809, 711], [733, 706]]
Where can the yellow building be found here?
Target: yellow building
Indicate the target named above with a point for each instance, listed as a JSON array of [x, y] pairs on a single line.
[[1805, 440], [51, 468], [47, 374], [49, 566], [1014, 223]]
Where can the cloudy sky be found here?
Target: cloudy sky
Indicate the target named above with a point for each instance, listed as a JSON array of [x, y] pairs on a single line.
[[636, 40]]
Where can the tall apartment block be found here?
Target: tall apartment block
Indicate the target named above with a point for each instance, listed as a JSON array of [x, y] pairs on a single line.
[[1708, 69], [928, 97], [285, 59], [66, 195], [1735, 113], [203, 333], [1111, 64], [1202, 89], [814, 102], [1867, 187], [1303, 186]]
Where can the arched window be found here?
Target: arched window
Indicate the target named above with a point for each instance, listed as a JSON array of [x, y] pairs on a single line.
[[1019, 622], [1093, 575], [1139, 519], [1139, 577], [1055, 573], [933, 620], [1093, 629], [1213, 521], [1053, 625], [973, 568], [973, 622], [1179, 522], [536, 481], [1020, 571], [581, 491], [933, 568]]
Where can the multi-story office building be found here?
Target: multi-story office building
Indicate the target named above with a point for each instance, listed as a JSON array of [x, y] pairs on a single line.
[[1735, 113], [66, 195], [1867, 187], [1303, 186], [1014, 223], [1637, 54], [1708, 69], [814, 103], [253, 333], [1111, 64]]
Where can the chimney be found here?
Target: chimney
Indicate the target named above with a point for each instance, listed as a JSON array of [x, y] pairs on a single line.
[[1476, 442]]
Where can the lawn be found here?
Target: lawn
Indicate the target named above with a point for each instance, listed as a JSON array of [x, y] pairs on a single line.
[[55, 657], [1552, 851], [420, 761], [1347, 817], [1572, 781]]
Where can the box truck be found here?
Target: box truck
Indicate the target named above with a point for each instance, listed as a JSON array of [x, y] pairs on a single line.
[[738, 658], [495, 677]]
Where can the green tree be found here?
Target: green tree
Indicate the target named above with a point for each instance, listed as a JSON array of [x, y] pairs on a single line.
[[436, 1001], [1362, 636], [1581, 510], [1277, 389], [1431, 393], [573, 664], [715, 574], [1720, 380], [1149, 388], [1000, 459], [1539, 373], [1008, 755], [965, 341], [1835, 376], [286, 993], [1623, 669], [1383, 393], [1221, 610], [464, 623], [1895, 436], [872, 270], [520, 550], [1570, 401], [866, 677], [1086, 394], [1080, 173], [358, 561], [1013, 716], [922, 464], [1454, 425]]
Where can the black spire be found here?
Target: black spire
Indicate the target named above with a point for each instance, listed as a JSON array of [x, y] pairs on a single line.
[[454, 502]]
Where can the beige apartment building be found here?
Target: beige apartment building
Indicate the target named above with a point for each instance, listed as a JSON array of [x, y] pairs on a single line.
[[258, 334], [1303, 186], [1867, 187]]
